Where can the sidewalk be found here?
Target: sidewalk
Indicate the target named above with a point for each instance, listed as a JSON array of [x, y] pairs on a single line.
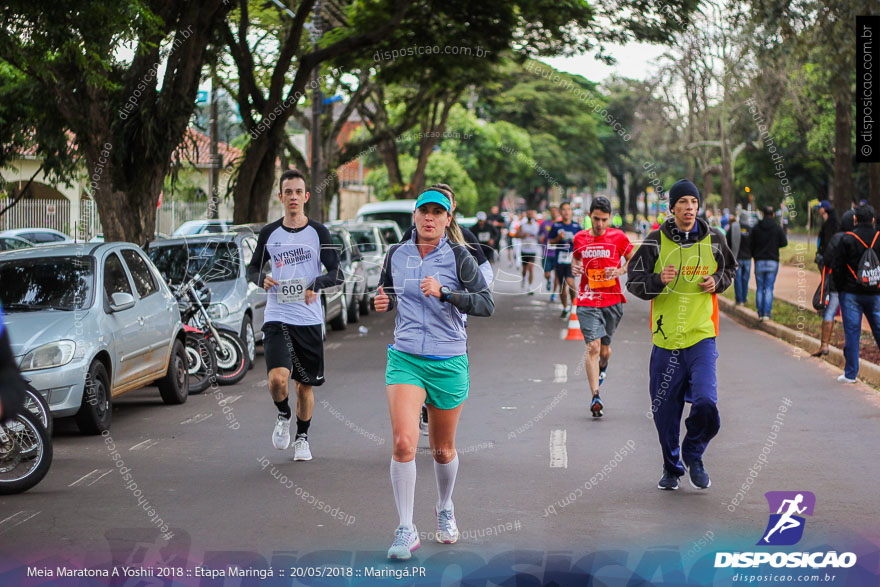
[[796, 286]]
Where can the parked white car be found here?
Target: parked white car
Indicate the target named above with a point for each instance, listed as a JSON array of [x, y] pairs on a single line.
[[400, 211], [194, 227], [88, 322], [39, 236]]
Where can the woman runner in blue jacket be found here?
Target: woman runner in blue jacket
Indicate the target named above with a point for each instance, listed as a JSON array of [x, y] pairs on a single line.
[[432, 279]]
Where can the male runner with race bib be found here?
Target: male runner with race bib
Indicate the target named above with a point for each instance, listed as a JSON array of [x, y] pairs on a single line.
[[293, 345], [597, 254]]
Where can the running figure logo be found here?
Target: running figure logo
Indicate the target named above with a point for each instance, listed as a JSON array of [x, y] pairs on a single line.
[[786, 527], [660, 327]]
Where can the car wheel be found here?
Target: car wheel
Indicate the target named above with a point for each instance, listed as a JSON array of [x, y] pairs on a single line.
[[174, 387], [354, 310], [250, 340], [341, 321], [365, 303], [96, 409]]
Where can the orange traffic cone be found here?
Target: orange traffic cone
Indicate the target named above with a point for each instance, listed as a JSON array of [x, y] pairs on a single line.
[[574, 327]]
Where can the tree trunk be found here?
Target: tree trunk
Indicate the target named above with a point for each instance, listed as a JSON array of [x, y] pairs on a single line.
[[726, 172], [129, 215], [388, 152], [874, 185], [256, 178], [633, 203], [843, 164], [707, 185], [620, 189]]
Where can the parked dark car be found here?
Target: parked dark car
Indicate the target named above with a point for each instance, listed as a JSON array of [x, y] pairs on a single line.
[[355, 299]]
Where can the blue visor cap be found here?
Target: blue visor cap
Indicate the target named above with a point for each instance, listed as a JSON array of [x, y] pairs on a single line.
[[433, 196]]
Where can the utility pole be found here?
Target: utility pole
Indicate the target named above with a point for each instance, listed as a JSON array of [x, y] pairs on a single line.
[[317, 188], [214, 178]]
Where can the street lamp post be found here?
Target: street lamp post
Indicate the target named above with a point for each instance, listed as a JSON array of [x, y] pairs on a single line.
[[317, 188]]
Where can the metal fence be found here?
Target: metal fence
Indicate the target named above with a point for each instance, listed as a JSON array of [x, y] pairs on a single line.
[[58, 214], [37, 214]]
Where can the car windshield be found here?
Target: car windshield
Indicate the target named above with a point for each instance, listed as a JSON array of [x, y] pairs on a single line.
[[365, 240], [214, 261], [47, 283]]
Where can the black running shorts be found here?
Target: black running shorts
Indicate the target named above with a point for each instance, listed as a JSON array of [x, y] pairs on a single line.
[[297, 348]]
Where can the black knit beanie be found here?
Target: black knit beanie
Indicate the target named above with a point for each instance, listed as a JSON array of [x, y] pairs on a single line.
[[683, 187]]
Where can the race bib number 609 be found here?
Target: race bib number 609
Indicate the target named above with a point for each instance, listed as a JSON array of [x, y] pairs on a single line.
[[291, 290]]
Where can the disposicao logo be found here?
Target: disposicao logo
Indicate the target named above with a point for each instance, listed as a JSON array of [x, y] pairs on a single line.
[[785, 528]]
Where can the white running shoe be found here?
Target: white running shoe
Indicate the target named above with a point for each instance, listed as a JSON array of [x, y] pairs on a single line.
[[281, 434], [447, 530], [405, 542], [845, 379], [301, 451]]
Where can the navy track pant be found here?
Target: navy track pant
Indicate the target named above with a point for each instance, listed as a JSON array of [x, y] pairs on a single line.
[[679, 376]]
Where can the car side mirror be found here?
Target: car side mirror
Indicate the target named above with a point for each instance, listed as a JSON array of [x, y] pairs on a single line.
[[120, 301]]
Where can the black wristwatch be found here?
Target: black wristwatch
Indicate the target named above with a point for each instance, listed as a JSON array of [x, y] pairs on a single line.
[[445, 292]]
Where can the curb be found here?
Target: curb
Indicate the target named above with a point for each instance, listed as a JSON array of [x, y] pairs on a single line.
[[868, 371]]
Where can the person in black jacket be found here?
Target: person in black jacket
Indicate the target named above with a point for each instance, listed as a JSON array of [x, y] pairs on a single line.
[[766, 239], [739, 240], [681, 268], [487, 235], [830, 227], [856, 298]]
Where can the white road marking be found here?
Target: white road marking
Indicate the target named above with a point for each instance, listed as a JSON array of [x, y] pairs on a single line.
[[84, 477], [558, 453], [230, 399], [560, 373], [148, 443], [330, 346], [17, 519], [262, 383], [508, 407], [196, 419], [104, 474]]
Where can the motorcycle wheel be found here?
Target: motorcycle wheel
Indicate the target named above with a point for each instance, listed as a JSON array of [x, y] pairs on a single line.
[[231, 358], [25, 453], [201, 363]]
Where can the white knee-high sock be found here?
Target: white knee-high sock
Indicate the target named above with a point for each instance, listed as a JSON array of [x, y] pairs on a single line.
[[403, 482], [445, 482]]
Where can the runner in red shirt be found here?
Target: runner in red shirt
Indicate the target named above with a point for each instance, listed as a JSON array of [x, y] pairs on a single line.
[[597, 259]]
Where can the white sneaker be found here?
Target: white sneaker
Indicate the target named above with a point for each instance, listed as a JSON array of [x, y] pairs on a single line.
[[281, 434], [447, 530], [845, 379], [405, 542], [301, 450]]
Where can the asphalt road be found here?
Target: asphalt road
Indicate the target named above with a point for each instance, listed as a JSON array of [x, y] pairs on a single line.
[[531, 459]]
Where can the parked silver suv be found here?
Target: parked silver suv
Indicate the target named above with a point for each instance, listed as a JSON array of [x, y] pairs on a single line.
[[89, 322]]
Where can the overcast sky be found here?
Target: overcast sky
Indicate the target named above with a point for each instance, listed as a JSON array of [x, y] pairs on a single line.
[[633, 60]]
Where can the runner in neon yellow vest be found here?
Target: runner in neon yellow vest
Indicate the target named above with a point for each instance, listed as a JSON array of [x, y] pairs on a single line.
[[681, 267]]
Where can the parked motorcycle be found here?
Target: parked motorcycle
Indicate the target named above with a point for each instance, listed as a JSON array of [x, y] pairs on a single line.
[[35, 403], [214, 351], [25, 453]]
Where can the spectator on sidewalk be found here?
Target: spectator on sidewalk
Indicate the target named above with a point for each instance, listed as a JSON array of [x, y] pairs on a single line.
[[856, 298], [767, 237], [830, 227], [739, 240]]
